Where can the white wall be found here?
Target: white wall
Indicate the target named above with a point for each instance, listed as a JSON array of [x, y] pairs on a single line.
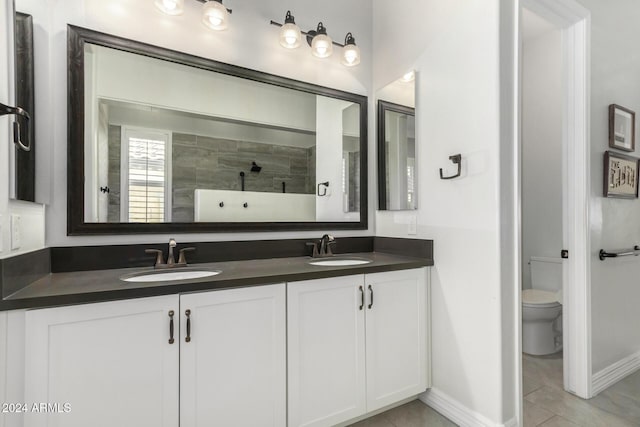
[[32, 214], [455, 46], [329, 146], [541, 149], [148, 81], [249, 42], [615, 223]]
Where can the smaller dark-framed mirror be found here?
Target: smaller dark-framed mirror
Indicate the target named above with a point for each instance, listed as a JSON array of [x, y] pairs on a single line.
[[23, 163], [396, 157]]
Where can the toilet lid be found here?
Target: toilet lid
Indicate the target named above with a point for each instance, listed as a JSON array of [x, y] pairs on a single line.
[[536, 296]]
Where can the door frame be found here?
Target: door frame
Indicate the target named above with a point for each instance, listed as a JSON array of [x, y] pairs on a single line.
[[574, 22]]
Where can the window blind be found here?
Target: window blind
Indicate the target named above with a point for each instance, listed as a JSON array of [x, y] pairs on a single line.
[[146, 186]]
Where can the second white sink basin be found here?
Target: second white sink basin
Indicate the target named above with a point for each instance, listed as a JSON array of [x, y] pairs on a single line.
[[166, 276], [340, 262]]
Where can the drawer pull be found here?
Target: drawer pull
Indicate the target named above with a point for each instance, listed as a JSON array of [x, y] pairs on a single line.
[[188, 314], [361, 298], [171, 340], [371, 300]]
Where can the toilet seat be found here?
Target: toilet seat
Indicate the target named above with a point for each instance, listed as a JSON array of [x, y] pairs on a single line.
[[539, 298]]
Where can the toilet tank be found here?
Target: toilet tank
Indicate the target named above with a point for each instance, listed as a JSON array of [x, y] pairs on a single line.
[[546, 273]]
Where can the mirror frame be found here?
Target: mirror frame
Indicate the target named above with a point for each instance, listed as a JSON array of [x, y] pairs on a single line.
[[383, 107], [25, 166], [76, 39]]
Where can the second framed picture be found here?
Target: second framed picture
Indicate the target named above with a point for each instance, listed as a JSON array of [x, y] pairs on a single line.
[[622, 128], [620, 175]]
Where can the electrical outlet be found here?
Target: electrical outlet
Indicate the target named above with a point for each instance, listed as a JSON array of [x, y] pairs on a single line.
[[16, 231], [412, 228]]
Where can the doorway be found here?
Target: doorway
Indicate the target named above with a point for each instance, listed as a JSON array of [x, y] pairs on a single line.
[[569, 192]]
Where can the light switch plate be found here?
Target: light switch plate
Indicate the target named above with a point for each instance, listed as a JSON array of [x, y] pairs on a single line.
[[16, 231], [412, 228]]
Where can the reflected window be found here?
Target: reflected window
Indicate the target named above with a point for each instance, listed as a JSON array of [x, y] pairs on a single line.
[[145, 198]]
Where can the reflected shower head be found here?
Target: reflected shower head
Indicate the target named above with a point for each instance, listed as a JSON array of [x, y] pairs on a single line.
[[255, 167]]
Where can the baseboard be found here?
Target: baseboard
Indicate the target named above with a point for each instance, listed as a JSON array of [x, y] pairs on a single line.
[[615, 372], [457, 412]]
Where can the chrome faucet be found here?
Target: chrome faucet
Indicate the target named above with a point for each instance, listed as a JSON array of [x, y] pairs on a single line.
[[171, 260], [323, 247]]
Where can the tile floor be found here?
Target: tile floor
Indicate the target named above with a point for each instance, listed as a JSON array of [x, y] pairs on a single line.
[[546, 404], [412, 414]]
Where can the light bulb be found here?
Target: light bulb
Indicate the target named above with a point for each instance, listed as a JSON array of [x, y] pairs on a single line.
[[408, 77], [215, 15], [350, 52], [321, 45], [290, 36], [170, 7]]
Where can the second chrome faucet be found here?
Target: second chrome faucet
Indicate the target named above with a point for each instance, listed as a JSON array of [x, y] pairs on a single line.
[[171, 261]]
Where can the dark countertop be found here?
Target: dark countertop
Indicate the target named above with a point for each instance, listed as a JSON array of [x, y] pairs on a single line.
[[58, 289]]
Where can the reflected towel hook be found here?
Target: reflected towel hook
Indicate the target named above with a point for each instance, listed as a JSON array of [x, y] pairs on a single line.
[[5, 110], [457, 160], [325, 185]]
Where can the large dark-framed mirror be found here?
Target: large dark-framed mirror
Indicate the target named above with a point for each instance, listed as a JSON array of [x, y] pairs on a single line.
[[397, 189], [163, 141]]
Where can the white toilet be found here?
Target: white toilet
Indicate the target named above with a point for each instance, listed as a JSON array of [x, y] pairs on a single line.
[[542, 308]]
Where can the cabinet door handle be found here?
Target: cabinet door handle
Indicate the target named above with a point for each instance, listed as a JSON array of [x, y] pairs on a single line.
[[171, 340], [371, 300], [188, 314], [361, 297]]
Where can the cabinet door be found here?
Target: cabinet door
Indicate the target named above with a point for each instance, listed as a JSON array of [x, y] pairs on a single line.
[[396, 337], [233, 368], [110, 363], [326, 360]]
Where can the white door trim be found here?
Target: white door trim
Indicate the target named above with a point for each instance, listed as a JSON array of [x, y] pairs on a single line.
[[575, 23]]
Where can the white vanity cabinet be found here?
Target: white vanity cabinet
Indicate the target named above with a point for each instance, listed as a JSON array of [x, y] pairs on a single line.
[[326, 350], [111, 362], [356, 344], [233, 366], [114, 365]]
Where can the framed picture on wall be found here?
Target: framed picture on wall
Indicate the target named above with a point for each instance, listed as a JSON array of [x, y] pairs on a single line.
[[622, 128], [620, 175]]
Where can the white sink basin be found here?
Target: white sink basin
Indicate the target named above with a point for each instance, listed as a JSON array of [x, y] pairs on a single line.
[[340, 262], [166, 276]]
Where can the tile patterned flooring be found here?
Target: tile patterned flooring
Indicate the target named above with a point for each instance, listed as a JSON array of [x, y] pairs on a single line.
[[546, 404], [412, 414]]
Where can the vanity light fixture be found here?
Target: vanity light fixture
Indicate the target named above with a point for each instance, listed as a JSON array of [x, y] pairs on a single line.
[[350, 52], [214, 15], [290, 35], [321, 44]]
